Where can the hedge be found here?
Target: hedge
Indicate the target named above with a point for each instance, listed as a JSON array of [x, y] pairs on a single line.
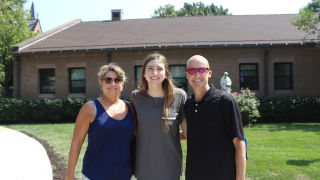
[[271, 109], [289, 109], [39, 110]]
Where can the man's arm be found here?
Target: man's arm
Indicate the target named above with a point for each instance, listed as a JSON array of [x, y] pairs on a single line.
[[240, 158]]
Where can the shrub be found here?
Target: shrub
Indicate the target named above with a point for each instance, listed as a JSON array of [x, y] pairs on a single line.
[[248, 104], [39, 110], [290, 109], [271, 109]]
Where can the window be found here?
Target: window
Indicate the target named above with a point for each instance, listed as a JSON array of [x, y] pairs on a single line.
[[178, 73], [47, 81], [282, 76], [77, 80], [137, 71], [249, 76]]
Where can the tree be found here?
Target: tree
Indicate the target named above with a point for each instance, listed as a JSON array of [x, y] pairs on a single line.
[[194, 9], [13, 29], [166, 11], [309, 18]]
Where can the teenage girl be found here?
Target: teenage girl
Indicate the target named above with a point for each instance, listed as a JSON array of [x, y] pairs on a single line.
[[160, 110]]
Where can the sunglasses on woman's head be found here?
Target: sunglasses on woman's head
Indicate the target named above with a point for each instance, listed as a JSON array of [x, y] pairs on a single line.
[[200, 70], [109, 80]]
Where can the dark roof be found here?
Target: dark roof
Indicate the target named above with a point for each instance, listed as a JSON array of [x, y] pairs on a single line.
[[33, 19], [31, 24], [33, 12], [201, 31]]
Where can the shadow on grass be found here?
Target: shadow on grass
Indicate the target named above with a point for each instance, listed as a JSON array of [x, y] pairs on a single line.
[[312, 127], [302, 162]]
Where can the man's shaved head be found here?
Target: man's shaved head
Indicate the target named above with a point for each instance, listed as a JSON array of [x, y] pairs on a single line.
[[199, 81], [198, 59]]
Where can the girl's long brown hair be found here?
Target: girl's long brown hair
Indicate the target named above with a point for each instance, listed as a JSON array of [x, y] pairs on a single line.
[[167, 84]]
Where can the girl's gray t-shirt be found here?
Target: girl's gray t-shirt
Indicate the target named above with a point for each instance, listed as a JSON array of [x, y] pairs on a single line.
[[158, 153]]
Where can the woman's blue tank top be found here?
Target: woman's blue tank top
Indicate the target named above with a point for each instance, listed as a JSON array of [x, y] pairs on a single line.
[[108, 152]]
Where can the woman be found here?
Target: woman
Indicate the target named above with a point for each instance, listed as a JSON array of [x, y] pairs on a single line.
[[109, 126], [160, 111]]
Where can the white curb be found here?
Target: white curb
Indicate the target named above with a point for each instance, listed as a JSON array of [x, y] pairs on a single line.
[[23, 158]]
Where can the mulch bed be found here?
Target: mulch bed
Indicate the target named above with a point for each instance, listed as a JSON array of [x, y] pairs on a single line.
[[60, 169]]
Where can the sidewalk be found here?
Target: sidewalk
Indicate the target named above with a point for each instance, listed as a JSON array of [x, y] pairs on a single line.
[[22, 157]]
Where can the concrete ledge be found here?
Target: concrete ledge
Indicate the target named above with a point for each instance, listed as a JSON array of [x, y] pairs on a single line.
[[22, 157]]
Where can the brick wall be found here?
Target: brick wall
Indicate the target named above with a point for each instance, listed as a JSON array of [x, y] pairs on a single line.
[[306, 64]]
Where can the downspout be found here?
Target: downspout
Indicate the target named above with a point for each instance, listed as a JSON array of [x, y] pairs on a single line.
[[266, 72], [18, 77], [108, 57]]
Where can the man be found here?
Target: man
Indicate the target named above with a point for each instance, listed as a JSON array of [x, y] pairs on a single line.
[[216, 142]]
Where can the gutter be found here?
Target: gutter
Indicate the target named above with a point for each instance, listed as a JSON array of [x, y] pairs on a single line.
[[19, 76], [266, 71], [108, 57], [162, 47]]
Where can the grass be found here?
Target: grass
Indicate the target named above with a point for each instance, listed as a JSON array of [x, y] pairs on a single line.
[[276, 151], [284, 151]]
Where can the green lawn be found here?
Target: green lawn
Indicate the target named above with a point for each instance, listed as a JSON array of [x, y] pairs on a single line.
[[284, 151], [276, 151]]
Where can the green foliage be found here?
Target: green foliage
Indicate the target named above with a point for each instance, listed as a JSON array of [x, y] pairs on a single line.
[[165, 11], [39, 110], [309, 18], [13, 29], [248, 104], [200, 9], [194, 9], [277, 109], [289, 109]]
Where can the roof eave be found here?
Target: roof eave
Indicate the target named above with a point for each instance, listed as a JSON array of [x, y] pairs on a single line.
[[170, 47], [26, 43]]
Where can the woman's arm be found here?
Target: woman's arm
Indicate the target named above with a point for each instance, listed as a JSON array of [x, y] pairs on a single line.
[[184, 127], [85, 117]]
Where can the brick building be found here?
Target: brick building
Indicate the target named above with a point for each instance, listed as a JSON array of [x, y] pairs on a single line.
[[264, 53]]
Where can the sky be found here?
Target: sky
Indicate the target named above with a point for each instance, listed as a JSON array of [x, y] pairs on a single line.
[[53, 13]]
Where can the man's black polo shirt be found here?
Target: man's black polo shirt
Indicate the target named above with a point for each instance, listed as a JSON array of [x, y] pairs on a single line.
[[212, 124]]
